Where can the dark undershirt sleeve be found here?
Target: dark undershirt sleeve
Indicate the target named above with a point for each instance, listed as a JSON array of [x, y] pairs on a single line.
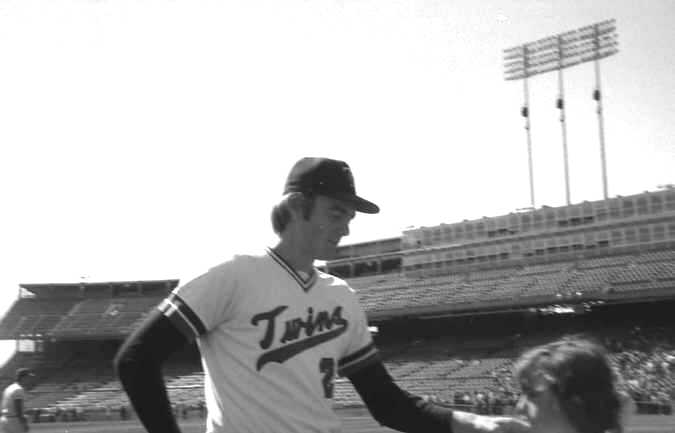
[[138, 365], [395, 408]]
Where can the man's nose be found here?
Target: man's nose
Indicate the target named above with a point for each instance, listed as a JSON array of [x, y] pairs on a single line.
[[345, 230]]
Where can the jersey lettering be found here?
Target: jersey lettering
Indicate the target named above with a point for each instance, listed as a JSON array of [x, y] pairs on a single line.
[[292, 332], [270, 317]]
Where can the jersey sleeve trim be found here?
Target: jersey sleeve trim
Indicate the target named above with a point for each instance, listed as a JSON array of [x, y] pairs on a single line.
[[181, 315], [357, 360]]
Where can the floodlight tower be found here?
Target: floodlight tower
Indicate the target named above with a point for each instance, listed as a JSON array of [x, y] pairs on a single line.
[[517, 62], [555, 53], [560, 105]]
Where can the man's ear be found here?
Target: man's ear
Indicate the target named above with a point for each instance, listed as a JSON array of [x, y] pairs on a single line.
[[302, 206], [297, 206]]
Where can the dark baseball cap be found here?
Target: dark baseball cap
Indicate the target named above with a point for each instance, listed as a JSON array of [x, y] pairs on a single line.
[[23, 372], [328, 177]]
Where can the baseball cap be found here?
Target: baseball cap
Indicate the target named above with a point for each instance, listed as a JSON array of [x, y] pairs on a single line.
[[328, 177], [23, 372]]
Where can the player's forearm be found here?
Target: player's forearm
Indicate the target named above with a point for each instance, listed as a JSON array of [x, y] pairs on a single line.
[[145, 387], [139, 367], [410, 414], [396, 408]]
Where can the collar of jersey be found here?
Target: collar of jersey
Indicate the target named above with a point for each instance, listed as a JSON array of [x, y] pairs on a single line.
[[305, 284]]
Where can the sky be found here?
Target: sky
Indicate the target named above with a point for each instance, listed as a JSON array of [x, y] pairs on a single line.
[[150, 139]]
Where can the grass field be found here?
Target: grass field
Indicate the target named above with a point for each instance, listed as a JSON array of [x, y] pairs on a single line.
[[354, 422]]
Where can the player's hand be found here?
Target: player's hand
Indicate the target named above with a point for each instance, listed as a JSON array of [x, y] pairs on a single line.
[[466, 422], [504, 424]]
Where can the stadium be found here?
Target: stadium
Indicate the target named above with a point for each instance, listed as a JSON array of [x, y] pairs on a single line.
[[451, 306]]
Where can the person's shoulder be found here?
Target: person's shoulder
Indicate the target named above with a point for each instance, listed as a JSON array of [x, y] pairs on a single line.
[[14, 388], [227, 269], [241, 259], [334, 281]]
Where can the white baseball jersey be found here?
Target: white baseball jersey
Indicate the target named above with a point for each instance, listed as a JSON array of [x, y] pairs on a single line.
[[9, 421], [11, 393], [271, 343]]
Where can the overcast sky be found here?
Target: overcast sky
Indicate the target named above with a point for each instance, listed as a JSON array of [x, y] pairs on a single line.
[[149, 139]]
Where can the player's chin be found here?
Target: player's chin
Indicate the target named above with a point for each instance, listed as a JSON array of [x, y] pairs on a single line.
[[328, 252]]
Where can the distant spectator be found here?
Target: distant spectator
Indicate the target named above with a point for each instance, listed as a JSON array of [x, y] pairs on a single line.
[[79, 413], [13, 416], [458, 399], [498, 405]]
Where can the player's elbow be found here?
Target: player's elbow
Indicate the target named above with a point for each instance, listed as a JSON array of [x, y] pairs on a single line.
[[145, 349], [384, 410], [125, 366], [134, 369], [132, 361]]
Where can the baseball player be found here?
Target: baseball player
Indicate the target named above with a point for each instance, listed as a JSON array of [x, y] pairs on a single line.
[[274, 332], [13, 417]]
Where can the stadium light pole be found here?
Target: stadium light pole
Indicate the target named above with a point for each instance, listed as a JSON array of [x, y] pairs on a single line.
[[597, 95], [555, 53], [560, 104], [518, 57], [526, 114]]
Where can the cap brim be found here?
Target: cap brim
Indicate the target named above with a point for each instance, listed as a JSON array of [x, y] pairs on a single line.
[[360, 204]]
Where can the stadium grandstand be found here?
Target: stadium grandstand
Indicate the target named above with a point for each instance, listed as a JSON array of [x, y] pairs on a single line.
[[453, 305]]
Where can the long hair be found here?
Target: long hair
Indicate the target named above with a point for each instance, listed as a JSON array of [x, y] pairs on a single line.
[[581, 378], [281, 212]]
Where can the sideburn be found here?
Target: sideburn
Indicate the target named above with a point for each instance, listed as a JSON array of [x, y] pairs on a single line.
[[307, 206]]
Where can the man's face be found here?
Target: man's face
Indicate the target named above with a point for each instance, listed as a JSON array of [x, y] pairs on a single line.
[[327, 224]]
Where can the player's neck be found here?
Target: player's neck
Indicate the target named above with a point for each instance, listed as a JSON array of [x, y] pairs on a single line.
[[296, 257]]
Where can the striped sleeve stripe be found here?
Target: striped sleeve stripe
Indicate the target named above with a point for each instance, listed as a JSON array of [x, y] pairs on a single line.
[[358, 359], [181, 315]]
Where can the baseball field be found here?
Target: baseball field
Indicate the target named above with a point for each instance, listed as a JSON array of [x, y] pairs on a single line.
[[354, 422]]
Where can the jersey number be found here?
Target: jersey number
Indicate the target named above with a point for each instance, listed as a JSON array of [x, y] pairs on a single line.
[[327, 367]]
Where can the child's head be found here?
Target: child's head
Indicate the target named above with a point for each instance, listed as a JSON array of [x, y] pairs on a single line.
[[568, 385]]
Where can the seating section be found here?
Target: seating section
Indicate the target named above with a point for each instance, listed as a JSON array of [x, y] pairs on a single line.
[[443, 367], [627, 274], [106, 316], [75, 317], [34, 316]]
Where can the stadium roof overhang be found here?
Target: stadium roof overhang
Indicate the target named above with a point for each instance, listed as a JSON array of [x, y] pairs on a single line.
[[533, 304]]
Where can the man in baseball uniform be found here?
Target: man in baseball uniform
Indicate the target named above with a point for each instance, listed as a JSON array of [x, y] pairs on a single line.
[[13, 417], [274, 332]]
